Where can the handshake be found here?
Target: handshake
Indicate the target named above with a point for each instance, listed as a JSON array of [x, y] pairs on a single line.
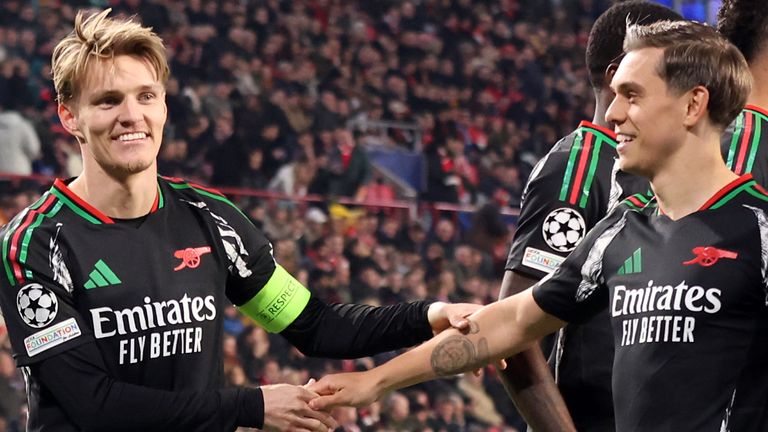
[[308, 407]]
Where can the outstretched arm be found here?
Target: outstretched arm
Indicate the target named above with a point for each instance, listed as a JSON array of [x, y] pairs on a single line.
[[527, 378], [496, 331], [353, 330], [94, 400]]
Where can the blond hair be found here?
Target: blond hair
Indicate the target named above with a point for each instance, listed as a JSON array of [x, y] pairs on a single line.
[[102, 37], [695, 54]]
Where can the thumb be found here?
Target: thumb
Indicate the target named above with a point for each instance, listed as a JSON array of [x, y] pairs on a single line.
[[324, 403], [458, 322], [309, 383]]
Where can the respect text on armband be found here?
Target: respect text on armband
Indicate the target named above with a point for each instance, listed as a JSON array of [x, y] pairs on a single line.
[[661, 313]]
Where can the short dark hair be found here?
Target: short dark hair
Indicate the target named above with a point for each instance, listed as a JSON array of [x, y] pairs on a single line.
[[745, 24], [695, 54], [605, 44]]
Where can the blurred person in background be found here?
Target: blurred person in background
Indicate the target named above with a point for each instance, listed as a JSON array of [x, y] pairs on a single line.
[[20, 146]]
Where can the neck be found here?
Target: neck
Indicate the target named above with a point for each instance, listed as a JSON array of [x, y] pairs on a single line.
[[122, 198], [691, 176], [601, 106], [759, 94]]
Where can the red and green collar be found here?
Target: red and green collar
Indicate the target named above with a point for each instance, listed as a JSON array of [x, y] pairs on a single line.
[[596, 128], [80, 207]]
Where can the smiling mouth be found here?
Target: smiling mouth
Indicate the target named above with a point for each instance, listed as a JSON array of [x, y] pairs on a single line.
[[130, 137], [624, 139]]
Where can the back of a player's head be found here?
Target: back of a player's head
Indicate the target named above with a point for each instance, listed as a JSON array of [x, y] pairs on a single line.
[[695, 54], [745, 24], [100, 37], [607, 35]]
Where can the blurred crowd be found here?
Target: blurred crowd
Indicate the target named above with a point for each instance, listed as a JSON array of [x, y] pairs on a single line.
[[287, 96]]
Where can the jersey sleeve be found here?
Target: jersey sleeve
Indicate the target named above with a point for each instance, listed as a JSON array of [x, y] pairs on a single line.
[[576, 291], [551, 223], [36, 292], [256, 284]]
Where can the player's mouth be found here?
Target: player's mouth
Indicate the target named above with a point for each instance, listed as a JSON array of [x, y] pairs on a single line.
[[624, 140], [131, 137]]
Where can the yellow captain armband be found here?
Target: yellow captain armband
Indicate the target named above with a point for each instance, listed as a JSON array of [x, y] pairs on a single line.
[[279, 303]]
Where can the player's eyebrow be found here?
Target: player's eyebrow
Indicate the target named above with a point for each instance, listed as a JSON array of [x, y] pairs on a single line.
[[628, 87], [157, 88]]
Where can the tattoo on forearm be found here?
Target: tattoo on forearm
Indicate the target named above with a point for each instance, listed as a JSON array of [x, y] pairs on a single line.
[[457, 354]]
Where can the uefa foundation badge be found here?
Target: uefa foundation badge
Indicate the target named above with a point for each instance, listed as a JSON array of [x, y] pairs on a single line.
[[37, 305]]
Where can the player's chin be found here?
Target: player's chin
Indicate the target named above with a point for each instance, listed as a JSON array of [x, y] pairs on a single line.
[[130, 167], [627, 165]]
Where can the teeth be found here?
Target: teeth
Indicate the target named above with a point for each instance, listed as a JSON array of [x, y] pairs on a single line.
[[132, 136]]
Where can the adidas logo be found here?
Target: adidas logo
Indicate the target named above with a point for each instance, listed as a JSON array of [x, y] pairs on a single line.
[[633, 264], [101, 276]]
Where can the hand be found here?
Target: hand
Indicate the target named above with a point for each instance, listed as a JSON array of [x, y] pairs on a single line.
[[348, 389], [442, 316], [286, 409]]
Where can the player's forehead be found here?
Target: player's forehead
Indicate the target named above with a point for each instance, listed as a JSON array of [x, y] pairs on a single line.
[[638, 68], [120, 74]]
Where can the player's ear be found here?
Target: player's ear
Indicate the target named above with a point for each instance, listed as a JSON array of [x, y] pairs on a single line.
[[697, 103], [69, 121], [610, 71]]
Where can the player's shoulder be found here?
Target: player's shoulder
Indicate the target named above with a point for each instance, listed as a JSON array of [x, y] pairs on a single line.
[[28, 239], [746, 192], [179, 188], [752, 118], [41, 215], [195, 195], [586, 141]]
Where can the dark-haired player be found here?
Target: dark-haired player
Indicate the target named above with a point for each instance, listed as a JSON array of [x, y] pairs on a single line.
[[690, 323], [113, 284], [745, 141], [569, 191]]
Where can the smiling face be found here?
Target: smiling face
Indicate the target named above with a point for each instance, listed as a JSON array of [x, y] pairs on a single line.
[[118, 116], [649, 117]]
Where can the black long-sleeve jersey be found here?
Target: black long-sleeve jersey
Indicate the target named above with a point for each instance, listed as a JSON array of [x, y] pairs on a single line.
[[743, 144], [572, 188], [137, 306], [687, 303]]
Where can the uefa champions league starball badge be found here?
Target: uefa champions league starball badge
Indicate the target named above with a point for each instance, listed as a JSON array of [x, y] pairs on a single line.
[[37, 305], [563, 229]]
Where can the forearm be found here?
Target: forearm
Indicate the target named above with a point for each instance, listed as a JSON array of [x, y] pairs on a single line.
[[95, 401], [528, 380], [497, 331], [352, 331]]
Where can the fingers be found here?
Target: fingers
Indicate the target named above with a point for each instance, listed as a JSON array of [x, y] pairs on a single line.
[[326, 403], [317, 420], [322, 387], [501, 364]]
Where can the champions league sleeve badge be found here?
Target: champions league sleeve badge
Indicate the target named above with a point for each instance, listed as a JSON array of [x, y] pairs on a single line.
[[563, 229], [37, 305]]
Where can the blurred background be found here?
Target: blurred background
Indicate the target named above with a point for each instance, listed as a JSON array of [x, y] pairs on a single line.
[[382, 146]]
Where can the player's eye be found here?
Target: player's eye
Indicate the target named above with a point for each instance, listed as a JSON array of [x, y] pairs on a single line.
[[147, 96], [108, 102]]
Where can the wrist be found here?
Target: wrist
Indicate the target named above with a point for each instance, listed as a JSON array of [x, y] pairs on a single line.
[[435, 312]]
